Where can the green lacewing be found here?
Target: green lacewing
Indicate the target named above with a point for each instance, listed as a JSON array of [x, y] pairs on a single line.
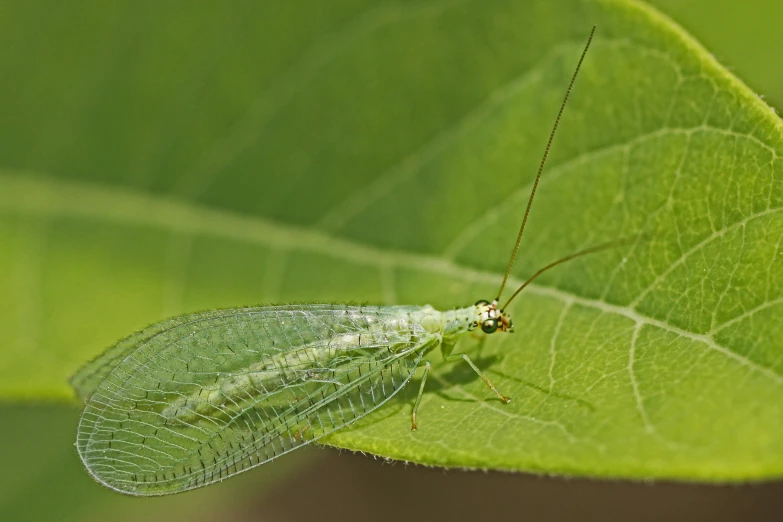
[[195, 399]]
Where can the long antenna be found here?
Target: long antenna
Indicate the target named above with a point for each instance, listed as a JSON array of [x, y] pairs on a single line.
[[591, 250], [541, 166]]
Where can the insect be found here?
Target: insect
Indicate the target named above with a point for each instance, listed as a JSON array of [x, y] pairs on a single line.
[[198, 398]]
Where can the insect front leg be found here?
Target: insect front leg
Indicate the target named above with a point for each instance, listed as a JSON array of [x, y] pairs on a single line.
[[421, 392], [480, 374]]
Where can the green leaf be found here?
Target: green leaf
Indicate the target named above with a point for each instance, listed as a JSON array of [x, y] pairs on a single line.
[[154, 163], [745, 37]]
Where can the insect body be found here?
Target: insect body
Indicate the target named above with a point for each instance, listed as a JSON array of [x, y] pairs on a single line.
[[204, 396], [200, 397]]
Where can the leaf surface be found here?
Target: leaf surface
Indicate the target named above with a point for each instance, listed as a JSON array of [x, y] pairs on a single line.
[[383, 153]]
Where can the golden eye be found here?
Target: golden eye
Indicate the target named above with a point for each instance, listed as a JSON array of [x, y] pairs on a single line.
[[481, 302], [489, 326]]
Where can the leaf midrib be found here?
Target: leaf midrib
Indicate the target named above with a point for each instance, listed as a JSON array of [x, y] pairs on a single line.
[[35, 195]]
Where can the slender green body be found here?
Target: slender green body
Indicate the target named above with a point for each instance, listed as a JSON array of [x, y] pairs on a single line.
[[200, 397]]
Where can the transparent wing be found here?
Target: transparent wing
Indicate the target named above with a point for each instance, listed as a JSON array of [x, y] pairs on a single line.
[[201, 397], [91, 374]]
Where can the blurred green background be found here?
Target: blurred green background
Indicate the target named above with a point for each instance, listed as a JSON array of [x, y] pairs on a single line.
[[42, 478]]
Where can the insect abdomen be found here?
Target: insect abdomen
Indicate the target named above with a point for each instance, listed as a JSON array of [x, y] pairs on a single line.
[[209, 397]]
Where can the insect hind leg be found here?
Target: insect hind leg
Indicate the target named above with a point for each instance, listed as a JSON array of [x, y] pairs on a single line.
[[418, 397]]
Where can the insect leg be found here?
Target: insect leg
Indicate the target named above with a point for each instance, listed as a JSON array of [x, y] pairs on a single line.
[[421, 392], [465, 357]]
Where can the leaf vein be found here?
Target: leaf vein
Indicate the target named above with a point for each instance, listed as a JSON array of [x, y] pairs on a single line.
[[38, 196]]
